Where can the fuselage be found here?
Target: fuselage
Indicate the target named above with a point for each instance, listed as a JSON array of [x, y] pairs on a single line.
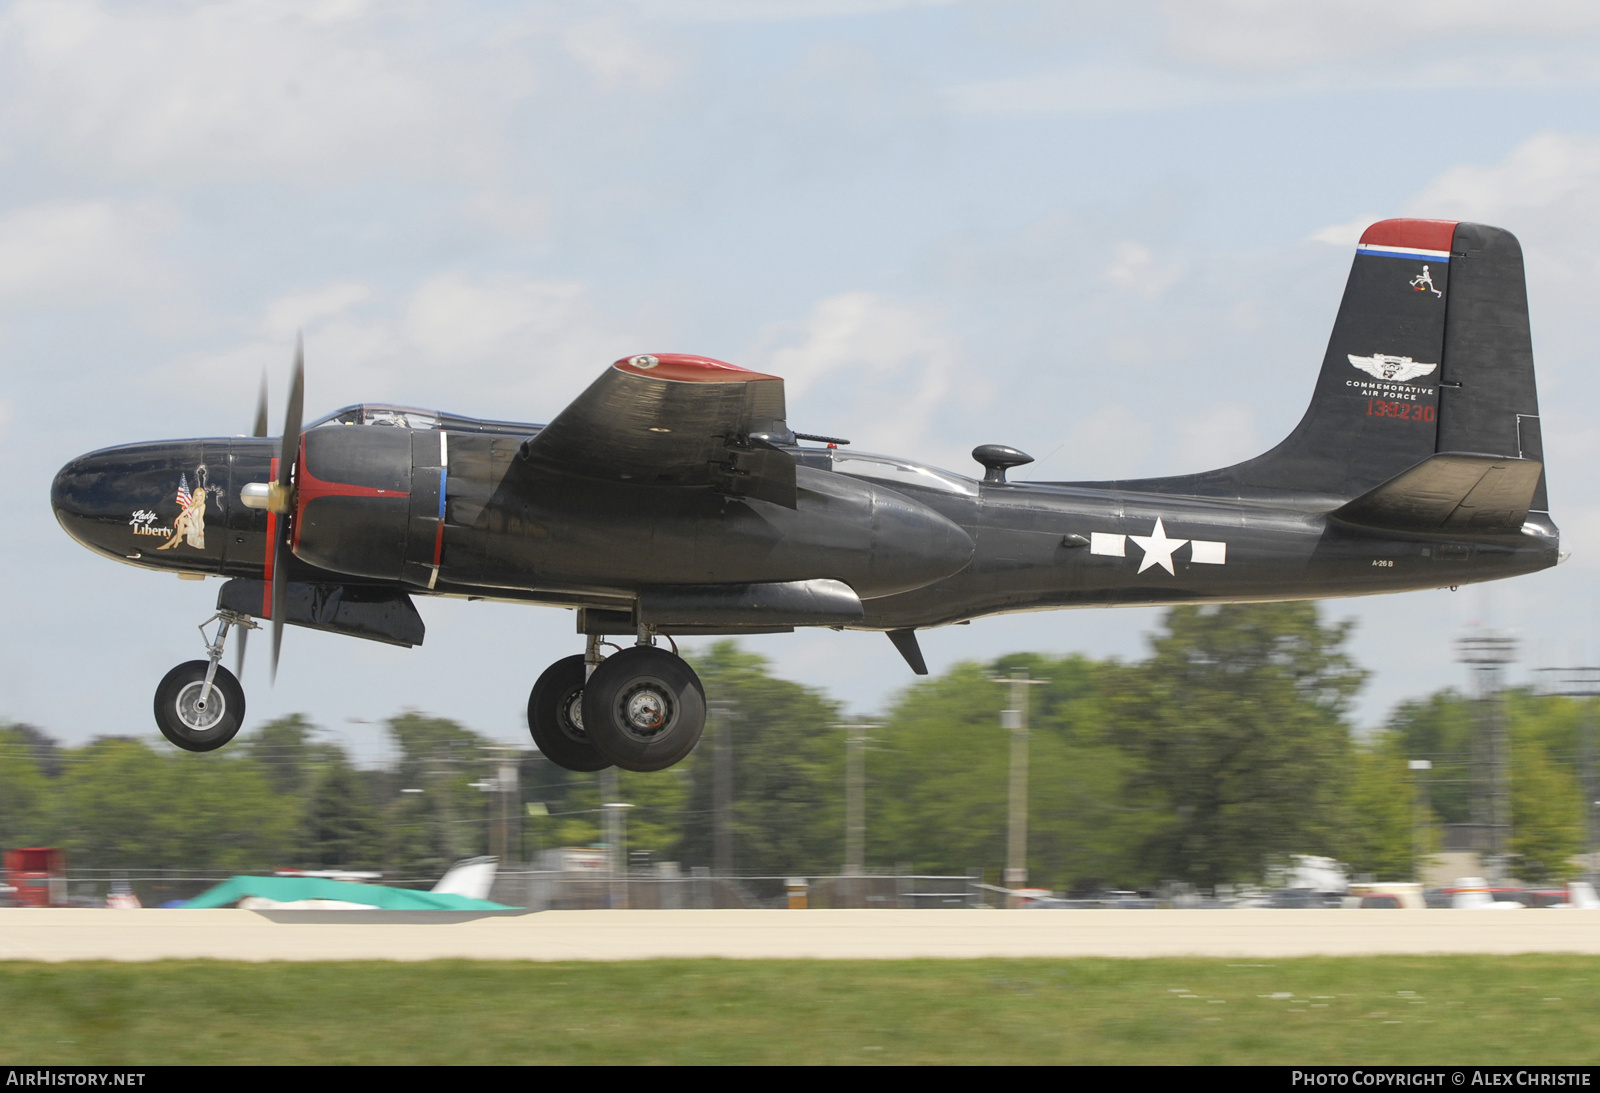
[[921, 547]]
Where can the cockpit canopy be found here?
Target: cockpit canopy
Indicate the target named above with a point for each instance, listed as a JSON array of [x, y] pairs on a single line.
[[410, 417]]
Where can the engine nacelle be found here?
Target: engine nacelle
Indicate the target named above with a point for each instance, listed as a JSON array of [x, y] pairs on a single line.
[[368, 501]]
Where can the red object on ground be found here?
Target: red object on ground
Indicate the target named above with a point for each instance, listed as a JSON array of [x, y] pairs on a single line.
[[39, 874]]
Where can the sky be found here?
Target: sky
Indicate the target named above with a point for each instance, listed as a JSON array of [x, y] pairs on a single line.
[[1112, 235]]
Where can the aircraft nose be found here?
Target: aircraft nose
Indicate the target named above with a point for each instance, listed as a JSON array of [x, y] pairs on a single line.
[[130, 501]]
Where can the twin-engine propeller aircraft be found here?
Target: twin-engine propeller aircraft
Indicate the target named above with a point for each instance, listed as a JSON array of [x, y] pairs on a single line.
[[672, 498]]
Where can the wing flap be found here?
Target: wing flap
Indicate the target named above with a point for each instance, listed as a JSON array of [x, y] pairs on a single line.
[[674, 420], [1451, 491]]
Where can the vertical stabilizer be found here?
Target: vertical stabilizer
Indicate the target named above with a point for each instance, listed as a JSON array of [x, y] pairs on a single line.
[[1375, 412]]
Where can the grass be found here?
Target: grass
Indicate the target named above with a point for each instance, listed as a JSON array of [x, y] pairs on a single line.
[[1429, 1010]]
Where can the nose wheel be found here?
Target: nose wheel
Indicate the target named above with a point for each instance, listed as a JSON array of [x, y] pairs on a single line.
[[199, 705]]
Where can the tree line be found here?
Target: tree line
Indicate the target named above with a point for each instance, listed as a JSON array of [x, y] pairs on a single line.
[[1226, 749]]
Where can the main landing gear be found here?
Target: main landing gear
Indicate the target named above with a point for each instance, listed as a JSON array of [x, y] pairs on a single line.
[[200, 705], [638, 709]]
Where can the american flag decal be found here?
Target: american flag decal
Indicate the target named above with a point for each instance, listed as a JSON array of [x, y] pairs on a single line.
[[184, 498]]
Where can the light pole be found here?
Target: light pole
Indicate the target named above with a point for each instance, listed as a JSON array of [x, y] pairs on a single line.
[[1419, 815], [855, 799], [617, 850], [1015, 718], [722, 791]]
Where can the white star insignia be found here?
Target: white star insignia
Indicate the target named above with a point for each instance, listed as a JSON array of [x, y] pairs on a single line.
[[1157, 548]]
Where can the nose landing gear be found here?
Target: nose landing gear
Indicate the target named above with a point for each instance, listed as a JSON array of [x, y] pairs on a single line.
[[199, 705], [640, 709]]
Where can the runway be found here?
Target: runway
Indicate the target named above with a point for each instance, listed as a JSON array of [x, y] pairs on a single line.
[[94, 934]]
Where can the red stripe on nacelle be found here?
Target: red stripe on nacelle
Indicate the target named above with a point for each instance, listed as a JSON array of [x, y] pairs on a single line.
[[683, 368], [1417, 234], [308, 488]]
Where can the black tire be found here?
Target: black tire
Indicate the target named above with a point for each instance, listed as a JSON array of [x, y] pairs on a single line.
[[181, 719], [644, 708], [555, 717]]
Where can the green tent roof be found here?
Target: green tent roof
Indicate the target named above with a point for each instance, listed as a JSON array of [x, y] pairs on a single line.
[[287, 889]]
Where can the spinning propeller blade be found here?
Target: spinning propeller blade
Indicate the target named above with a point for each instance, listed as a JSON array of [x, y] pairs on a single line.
[[258, 429], [261, 409], [288, 452]]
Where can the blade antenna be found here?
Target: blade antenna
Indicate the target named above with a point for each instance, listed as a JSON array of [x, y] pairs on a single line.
[[288, 454]]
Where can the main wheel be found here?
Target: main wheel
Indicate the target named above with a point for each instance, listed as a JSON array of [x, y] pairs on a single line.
[[644, 708], [555, 717], [189, 722]]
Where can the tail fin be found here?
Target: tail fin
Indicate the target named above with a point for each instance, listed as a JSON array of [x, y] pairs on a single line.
[[1430, 353]]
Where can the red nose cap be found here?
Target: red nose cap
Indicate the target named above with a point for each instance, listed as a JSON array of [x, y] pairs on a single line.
[[683, 368]]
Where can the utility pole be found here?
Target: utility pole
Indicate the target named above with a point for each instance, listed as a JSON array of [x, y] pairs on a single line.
[[1015, 718], [1487, 652]]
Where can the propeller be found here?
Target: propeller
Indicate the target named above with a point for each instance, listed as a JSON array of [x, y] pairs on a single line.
[[283, 498], [260, 429]]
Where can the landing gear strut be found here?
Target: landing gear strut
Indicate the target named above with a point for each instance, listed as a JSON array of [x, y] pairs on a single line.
[[199, 705], [640, 709]]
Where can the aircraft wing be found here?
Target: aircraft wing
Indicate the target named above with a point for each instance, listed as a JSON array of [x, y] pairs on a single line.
[[675, 420], [1451, 491]]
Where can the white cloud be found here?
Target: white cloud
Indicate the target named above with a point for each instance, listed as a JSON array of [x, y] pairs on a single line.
[[494, 346], [1220, 436], [62, 248], [1091, 88], [466, 318], [288, 314], [774, 11], [244, 88], [1543, 171], [1347, 234], [1282, 35], [859, 352], [1112, 442], [618, 58], [1134, 267]]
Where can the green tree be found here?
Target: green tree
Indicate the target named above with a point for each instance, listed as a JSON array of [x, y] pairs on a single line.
[[1547, 828], [289, 753], [939, 777], [449, 819], [24, 790], [1379, 836], [121, 805], [1238, 721], [342, 829], [1546, 795], [788, 770]]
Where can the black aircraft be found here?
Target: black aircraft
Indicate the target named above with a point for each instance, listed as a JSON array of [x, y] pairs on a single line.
[[673, 498]]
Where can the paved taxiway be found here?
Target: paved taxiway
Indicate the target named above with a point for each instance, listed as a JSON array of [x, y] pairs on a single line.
[[89, 934]]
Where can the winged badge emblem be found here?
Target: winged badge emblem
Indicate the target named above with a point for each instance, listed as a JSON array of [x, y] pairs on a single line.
[[1385, 366]]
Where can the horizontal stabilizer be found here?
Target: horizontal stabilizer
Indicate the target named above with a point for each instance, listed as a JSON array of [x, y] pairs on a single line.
[[1451, 491]]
